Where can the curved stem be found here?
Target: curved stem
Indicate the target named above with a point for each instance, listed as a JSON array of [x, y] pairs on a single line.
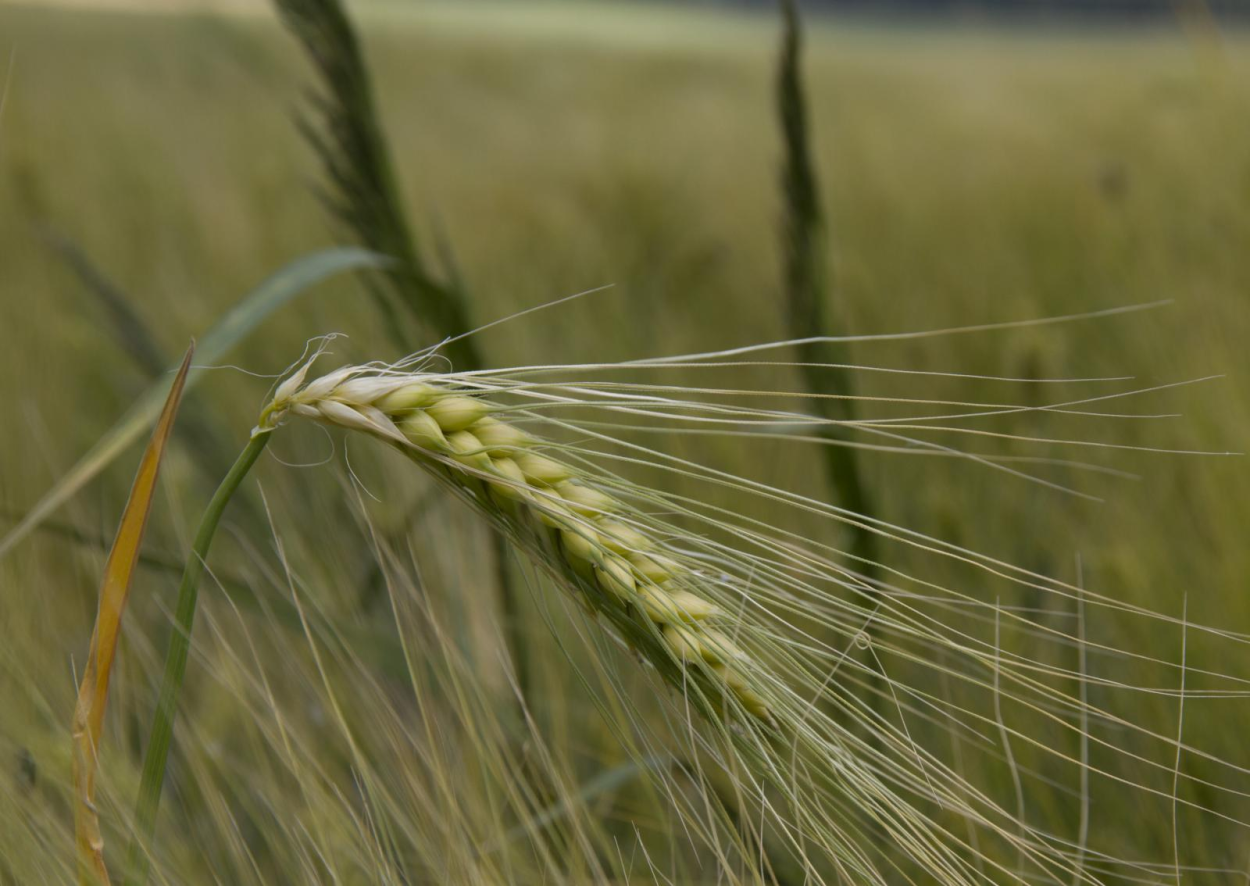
[[176, 662]]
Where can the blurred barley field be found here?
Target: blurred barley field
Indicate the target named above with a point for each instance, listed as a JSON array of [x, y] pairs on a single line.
[[971, 173]]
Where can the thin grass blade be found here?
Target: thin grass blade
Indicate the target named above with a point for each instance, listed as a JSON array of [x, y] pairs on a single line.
[[127, 325], [115, 588]]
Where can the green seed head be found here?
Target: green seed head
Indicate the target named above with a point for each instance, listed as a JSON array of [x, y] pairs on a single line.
[[580, 545], [456, 413], [717, 649], [675, 608], [750, 699], [586, 501], [622, 539], [501, 438], [540, 469], [550, 510], [424, 431], [615, 578], [410, 396], [655, 568], [467, 450], [586, 535], [679, 640], [511, 486]]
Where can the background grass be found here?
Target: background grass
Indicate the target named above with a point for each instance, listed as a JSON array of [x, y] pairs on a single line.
[[972, 175]]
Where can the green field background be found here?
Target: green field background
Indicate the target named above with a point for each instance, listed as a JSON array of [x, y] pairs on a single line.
[[972, 174]]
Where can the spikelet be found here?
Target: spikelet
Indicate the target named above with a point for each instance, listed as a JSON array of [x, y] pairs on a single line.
[[585, 536]]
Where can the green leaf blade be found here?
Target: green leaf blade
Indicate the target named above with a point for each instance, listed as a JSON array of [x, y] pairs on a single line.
[[272, 294]]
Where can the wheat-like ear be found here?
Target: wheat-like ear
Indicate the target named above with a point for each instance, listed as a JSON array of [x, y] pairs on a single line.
[[593, 542], [753, 627], [674, 609], [713, 618]]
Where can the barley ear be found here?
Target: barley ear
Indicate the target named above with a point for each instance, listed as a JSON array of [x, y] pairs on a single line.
[[593, 541]]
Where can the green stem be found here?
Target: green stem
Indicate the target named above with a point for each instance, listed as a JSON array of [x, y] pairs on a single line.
[[176, 663], [809, 287]]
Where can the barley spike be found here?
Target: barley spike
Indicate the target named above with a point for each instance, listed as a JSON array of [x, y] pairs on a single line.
[[582, 534]]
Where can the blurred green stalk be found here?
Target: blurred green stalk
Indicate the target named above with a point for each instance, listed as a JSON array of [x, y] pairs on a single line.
[[138, 861], [808, 292]]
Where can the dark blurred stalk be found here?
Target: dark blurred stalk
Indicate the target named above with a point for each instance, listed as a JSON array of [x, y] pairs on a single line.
[[362, 193], [133, 336], [128, 327], [808, 294], [362, 188]]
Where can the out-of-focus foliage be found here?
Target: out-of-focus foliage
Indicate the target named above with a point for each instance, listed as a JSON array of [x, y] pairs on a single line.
[[970, 176]]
